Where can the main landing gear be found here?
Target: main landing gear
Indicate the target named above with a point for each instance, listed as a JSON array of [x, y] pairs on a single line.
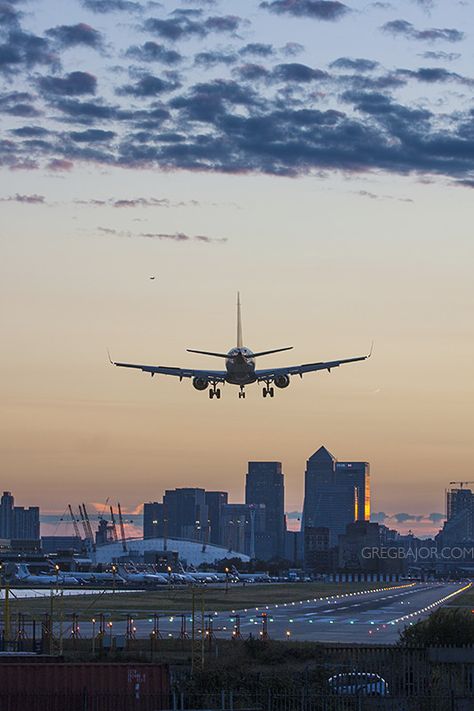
[[215, 392], [267, 390], [242, 392]]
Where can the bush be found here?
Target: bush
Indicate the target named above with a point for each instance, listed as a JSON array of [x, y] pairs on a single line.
[[443, 627]]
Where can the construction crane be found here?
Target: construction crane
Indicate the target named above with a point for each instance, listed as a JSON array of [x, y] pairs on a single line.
[[122, 529], [77, 533], [90, 534], [461, 483], [84, 523], [114, 526]]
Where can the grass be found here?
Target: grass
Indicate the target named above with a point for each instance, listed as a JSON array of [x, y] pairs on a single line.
[[143, 603], [466, 599]]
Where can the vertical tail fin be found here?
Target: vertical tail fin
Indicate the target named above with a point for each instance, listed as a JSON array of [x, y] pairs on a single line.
[[239, 323]]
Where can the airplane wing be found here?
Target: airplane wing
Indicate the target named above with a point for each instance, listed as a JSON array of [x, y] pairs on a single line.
[[213, 375], [272, 373]]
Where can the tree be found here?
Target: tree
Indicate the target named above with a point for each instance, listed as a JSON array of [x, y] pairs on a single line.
[[444, 627]]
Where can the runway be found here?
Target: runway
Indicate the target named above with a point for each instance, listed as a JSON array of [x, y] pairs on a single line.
[[374, 617]]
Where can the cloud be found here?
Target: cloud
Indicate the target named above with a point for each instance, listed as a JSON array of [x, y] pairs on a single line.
[[447, 56], [379, 517], [73, 84], [404, 517], [431, 75], [257, 49], [9, 16], [174, 237], [188, 23], [23, 48], [226, 23], [18, 103], [174, 29], [298, 73], [104, 6], [251, 72], [437, 517], [25, 199], [375, 196], [206, 101], [92, 135], [153, 52], [357, 65], [316, 9], [141, 202], [406, 29], [292, 49], [213, 59], [148, 85], [59, 165], [29, 131], [73, 35]]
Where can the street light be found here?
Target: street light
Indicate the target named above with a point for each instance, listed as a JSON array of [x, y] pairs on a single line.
[[93, 635], [226, 580]]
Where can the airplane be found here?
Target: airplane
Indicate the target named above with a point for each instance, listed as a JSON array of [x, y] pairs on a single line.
[[24, 575], [250, 577], [134, 576], [240, 368]]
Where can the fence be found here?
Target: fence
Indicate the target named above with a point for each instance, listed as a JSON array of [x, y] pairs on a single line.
[[226, 701]]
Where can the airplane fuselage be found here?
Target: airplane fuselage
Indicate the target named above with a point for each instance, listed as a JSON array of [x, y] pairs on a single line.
[[240, 366]]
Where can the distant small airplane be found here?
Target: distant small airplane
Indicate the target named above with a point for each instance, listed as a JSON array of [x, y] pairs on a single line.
[[151, 278], [240, 368]]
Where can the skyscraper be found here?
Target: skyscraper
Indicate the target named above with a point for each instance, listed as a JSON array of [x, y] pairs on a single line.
[[17, 522], [265, 485], [215, 500], [243, 527], [153, 520], [6, 514], [186, 513], [336, 493]]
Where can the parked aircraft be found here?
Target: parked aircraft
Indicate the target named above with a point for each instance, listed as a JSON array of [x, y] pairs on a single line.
[[251, 577], [23, 575], [133, 576], [240, 368]]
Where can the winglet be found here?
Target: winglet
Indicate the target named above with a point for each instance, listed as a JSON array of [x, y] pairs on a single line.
[[110, 359], [371, 349]]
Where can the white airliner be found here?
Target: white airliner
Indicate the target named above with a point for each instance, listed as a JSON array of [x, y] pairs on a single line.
[[240, 368]]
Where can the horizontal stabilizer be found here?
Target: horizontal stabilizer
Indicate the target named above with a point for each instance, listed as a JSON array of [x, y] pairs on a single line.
[[217, 355], [275, 350]]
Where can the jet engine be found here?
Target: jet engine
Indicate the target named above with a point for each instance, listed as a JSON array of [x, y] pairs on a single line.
[[282, 381], [200, 383]]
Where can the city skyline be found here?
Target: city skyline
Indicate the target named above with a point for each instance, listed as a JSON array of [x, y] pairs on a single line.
[[424, 524], [156, 160]]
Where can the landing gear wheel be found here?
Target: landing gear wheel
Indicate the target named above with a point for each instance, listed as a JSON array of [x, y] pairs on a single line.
[[218, 394], [211, 394], [271, 392], [264, 392]]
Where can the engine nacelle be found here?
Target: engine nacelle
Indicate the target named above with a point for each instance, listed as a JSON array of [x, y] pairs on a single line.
[[282, 381], [200, 383]]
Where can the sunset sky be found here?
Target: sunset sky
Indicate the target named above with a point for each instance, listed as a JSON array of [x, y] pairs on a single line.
[[316, 155]]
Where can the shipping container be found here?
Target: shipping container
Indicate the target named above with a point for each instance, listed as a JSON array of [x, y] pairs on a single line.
[[75, 687]]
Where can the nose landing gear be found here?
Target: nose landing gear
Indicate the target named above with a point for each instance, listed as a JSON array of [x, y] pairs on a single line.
[[242, 392]]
